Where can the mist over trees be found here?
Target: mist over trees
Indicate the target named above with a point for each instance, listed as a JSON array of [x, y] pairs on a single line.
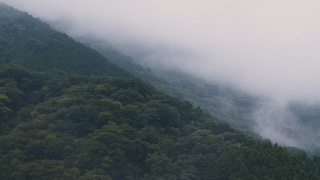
[[253, 114]]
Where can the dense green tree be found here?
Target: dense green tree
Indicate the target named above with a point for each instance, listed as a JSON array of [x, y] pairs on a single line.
[[86, 131]]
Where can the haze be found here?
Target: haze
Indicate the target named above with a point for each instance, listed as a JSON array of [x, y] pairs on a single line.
[[269, 47]]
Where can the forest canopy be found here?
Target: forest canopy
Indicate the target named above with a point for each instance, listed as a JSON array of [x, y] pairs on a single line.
[[101, 127]]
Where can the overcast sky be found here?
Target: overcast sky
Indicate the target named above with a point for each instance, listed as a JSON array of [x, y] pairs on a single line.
[[269, 47]]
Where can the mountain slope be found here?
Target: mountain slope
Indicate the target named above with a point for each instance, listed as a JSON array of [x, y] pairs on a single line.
[[35, 45], [90, 127]]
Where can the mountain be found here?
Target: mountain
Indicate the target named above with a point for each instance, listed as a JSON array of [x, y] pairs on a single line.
[[221, 101], [57, 124], [91, 127]]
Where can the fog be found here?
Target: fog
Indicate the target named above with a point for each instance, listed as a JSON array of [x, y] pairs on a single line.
[[269, 48]]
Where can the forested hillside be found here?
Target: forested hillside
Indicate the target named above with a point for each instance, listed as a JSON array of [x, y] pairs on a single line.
[[91, 127], [59, 121]]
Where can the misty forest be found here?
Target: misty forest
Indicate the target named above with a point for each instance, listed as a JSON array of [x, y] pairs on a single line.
[[75, 107]]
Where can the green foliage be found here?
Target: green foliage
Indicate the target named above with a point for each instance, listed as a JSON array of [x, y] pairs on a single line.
[[80, 127]]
